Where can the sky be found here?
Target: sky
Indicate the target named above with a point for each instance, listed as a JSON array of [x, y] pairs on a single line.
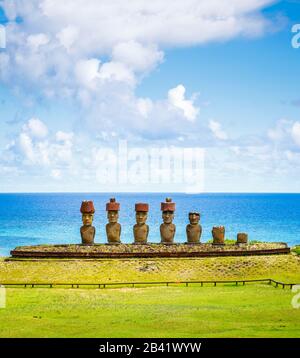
[[81, 78]]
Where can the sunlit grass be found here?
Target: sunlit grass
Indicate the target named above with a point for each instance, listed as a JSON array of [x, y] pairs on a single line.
[[284, 268], [226, 311]]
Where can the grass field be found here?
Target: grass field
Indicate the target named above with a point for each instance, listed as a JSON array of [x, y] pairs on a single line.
[[280, 267], [227, 311], [296, 249], [254, 310]]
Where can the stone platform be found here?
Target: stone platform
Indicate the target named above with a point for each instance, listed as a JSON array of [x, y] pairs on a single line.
[[149, 250]]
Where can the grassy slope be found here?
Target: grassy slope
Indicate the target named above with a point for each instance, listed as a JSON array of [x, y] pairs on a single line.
[[281, 267], [296, 249], [226, 311]]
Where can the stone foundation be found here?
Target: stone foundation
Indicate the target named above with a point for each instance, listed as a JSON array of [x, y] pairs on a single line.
[[147, 250]]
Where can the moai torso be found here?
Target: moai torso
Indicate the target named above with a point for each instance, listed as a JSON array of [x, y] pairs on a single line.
[[87, 235], [140, 233], [167, 228], [113, 228], [167, 233], [113, 232], [193, 229], [218, 233], [193, 233], [141, 229]]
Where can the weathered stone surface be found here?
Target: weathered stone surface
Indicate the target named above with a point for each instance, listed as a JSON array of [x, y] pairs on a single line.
[[193, 229], [112, 205], [144, 207], [167, 228], [218, 233], [113, 231], [168, 205], [141, 229], [87, 235], [113, 228], [149, 250], [87, 207], [87, 231], [242, 238]]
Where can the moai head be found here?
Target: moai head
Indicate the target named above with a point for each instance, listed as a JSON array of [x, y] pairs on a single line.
[[168, 217], [112, 209], [141, 213], [87, 209], [168, 209], [194, 218]]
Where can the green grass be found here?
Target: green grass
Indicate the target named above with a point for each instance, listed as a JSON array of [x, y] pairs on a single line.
[[226, 241], [284, 268], [296, 249], [255, 310], [233, 242]]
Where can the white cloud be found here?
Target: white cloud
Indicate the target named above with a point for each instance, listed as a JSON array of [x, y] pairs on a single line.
[[36, 147], [217, 130], [280, 131], [116, 71], [33, 153], [296, 133], [68, 36], [64, 136], [55, 174], [285, 132], [292, 156], [171, 22], [176, 97], [132, 36], [27, 146], [35, 41], [87, 71], [36, 128], [144, 105], [137, 56], [96, 54]]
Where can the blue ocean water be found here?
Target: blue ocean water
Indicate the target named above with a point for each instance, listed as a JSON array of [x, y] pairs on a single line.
[[31, 219]]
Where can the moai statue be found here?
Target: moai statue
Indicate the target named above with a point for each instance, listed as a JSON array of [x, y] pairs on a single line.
[[87, 231], [193, 229], [242, 238], [141, 229], [167, 228], [218, 233], [113, 228]]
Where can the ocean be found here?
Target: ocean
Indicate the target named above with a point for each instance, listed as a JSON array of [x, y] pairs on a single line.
[[32, 219]]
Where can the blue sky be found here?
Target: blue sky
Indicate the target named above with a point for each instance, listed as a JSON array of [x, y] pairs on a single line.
[[194, 74]]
